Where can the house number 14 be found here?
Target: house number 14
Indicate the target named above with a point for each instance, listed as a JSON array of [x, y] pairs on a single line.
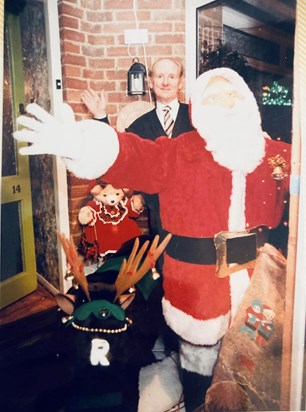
[[16, 189]]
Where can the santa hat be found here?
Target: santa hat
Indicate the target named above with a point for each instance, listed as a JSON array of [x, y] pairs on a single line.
[[201, 83]]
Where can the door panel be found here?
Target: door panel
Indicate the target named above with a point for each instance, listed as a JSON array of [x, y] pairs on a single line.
[[18, 269], [36, 73]]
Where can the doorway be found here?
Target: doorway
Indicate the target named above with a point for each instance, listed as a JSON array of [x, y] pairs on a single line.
[[18, 267], [32, 74]]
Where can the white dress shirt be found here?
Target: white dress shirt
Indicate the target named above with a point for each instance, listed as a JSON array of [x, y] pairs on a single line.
[[173, 112]]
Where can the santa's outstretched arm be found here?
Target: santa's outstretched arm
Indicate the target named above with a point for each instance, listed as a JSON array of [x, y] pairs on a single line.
[[89, 148]]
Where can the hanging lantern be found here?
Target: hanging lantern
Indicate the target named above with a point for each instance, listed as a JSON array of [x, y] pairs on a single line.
[[136, 79]]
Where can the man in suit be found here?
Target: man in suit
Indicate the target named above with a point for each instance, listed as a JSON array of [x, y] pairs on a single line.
[[165, 79]]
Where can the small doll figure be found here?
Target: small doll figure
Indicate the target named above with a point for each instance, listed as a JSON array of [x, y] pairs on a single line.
[[109, 220], [266, 327], [252, 320]]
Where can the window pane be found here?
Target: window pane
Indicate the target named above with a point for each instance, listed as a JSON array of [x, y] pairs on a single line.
[[11, 250]]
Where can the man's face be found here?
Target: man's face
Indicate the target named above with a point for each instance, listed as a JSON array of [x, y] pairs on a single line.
[[166, 81], [220, 92]]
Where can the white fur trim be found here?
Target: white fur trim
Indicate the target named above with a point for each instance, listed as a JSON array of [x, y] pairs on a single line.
[[198, 332], [239, 283], [99, 150], [199, 359], [159, 386], [228, 74], [236, 219]]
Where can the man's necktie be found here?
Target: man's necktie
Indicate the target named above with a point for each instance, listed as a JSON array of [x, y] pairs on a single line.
[[168, 121]]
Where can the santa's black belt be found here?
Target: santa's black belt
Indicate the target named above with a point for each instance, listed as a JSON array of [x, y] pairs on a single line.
[[238, 247]]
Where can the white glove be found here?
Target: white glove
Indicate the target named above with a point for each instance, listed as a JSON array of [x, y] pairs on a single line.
[[88, 147], [48, 135]]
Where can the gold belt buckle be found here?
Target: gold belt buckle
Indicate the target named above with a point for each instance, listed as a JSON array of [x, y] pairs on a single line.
[[231, 257]]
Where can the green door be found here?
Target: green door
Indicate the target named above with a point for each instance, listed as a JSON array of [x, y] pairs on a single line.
[[18, 268]]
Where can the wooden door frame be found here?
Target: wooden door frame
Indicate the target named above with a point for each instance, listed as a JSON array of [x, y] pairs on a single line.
[[16, 186], [59, 168]]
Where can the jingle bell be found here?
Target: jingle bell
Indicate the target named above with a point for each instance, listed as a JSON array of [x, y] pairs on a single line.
[[279, 173], [155, 275], [279, 167]]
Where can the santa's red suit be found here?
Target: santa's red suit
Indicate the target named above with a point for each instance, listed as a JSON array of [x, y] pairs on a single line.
[[200, 196], [111, 226], [216, 178], [195, 197]]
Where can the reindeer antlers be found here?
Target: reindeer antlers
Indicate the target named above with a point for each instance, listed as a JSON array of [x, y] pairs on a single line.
[[77, 265], [129, 273]]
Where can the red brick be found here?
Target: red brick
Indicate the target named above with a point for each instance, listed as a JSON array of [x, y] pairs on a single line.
[[169, 38], [98, 16], [92, 4], [119, 4], [76, 84], [78, 181], [78, 202], [116, 74], [69, 22], [117, 97], [117, 51], [72, 35], [101, 39], [93, 74], [71, 10], [70, 47], [92, 51], [72, 71], [101, 63], [125, 63], [125, 15], [159, 27], [103, 85], [179, 27], [158, 4], [90, 27], [159, 50], [73, 96], [74, 59], [114, 28]]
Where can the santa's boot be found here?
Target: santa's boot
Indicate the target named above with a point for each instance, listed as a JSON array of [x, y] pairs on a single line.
[[197, 365], [194, 387]]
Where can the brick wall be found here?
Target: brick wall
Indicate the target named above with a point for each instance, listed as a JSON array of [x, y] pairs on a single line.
[[94, 55]]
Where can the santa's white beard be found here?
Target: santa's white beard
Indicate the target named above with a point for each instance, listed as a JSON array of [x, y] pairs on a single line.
[[234, 136]]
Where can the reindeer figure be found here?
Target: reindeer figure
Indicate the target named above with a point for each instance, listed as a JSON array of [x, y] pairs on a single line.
[[111, 326]]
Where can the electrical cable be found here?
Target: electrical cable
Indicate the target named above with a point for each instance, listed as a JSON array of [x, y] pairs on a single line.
[[143, 47]]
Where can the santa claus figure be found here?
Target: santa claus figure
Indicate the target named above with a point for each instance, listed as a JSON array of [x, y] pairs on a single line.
[[216, 194]]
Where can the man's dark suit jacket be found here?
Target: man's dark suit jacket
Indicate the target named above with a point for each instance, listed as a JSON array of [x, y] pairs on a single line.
[[149, 127]]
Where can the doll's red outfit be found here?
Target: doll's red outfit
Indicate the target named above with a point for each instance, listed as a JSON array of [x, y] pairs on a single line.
[[111, 226], [195, 196]]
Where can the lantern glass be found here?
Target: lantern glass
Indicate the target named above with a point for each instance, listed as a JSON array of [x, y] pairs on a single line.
[[136, 79], [136, 84]]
